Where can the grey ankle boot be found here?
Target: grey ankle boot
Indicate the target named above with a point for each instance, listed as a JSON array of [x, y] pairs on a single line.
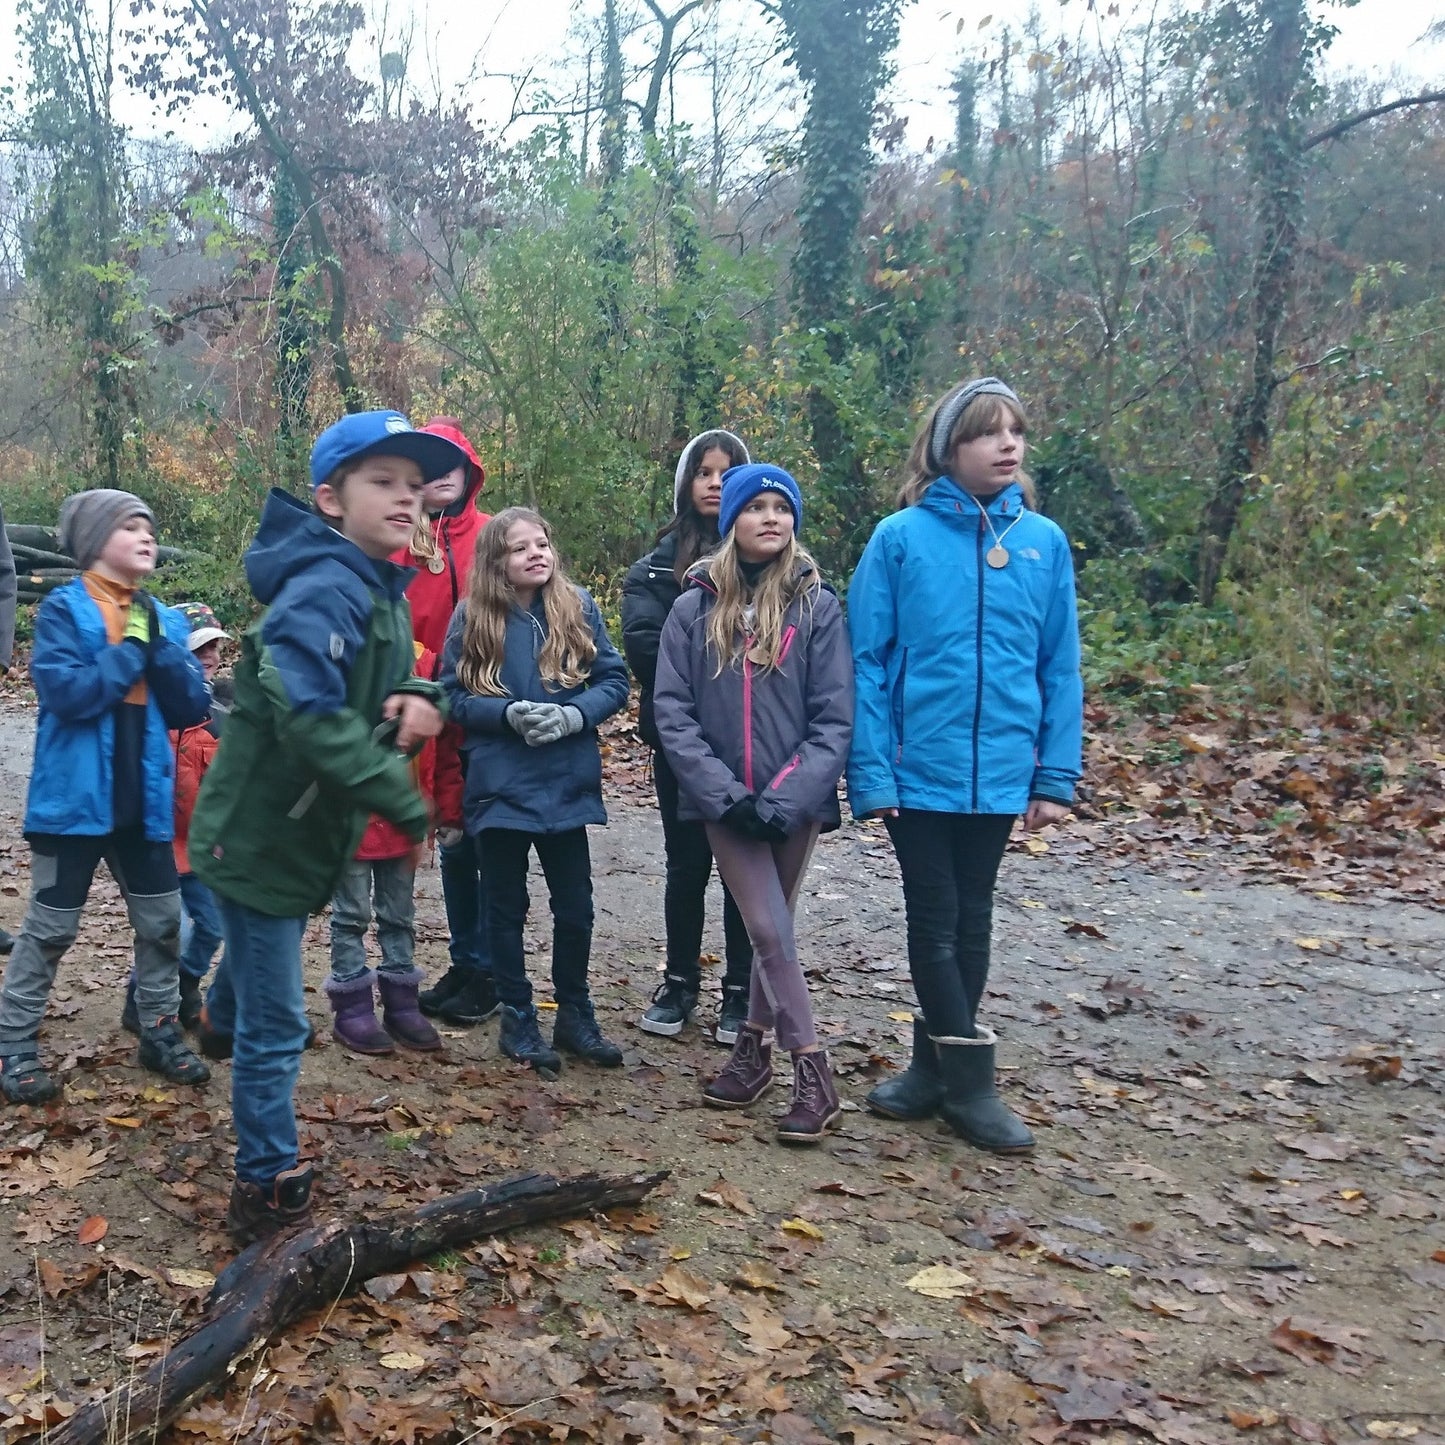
[[917, 1092], [971, 1106]]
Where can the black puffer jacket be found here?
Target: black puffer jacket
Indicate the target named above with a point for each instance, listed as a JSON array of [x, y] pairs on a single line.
[[647, 597]]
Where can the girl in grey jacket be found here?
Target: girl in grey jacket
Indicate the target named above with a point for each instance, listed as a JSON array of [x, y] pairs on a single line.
[[754, 710]]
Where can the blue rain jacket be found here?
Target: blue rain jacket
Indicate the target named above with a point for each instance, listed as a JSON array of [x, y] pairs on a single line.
[[80, 677], [969, 696]]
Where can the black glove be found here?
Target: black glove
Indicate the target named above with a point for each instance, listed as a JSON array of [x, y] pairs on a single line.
[[742, 817]]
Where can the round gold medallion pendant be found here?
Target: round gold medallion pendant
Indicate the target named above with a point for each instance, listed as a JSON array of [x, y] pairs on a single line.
[[438, 565], [996, 557]]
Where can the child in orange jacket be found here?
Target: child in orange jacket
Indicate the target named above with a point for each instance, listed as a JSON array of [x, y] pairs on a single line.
[[382, 877]]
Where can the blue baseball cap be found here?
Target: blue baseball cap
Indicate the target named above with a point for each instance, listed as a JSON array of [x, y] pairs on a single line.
[[383, 434], [741, 484]]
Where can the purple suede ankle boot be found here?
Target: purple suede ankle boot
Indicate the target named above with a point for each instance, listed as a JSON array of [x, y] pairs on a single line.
[[354, 1025], [401, 1013]]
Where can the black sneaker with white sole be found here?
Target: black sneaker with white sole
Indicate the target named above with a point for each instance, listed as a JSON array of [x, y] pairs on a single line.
[[672, 1006], [732, 1016]]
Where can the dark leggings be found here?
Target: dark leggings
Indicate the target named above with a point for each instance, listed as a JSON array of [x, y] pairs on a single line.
[[689, 870], [949, 863]]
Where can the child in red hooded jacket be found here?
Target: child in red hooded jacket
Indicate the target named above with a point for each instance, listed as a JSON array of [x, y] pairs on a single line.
[[383, 876], [442, 549]]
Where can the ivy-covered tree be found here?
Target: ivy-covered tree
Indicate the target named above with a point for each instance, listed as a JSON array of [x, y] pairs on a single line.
[[78, 256], [842, 51]]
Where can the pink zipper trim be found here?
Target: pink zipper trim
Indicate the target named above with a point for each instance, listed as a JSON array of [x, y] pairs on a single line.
[[788, 634], [785, 770], [747, 724]]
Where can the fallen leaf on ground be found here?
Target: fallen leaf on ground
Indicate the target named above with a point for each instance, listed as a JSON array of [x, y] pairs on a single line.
[[681, 1286], [94, 1229], [73, 1164], [941, 1281], [728, 1195], [1332, 1147], [801, 1226]]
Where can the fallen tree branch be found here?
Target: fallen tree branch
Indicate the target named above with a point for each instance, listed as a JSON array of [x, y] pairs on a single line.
[[275, 1283]]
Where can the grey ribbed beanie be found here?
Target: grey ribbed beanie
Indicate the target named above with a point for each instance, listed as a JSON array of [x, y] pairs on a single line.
[[88, 518]]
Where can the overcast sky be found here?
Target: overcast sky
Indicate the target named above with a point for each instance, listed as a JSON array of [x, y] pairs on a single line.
[[477, 43]]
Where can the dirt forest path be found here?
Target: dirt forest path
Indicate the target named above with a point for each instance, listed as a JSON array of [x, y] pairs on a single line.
[[1233, 1227]]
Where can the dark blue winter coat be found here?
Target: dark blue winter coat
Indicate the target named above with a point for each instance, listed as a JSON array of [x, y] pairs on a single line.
[[548, 789], [969, 693], [80, 678]]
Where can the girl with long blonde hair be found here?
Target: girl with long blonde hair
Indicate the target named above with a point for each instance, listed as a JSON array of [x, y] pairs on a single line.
[[652, 585], [530, 672], [754, 707]]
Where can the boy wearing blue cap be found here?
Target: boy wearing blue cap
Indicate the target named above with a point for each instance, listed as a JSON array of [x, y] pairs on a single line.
[[326, 710]]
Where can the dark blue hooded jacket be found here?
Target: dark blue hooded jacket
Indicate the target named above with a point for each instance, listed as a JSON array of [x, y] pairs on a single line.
[[548, 789]]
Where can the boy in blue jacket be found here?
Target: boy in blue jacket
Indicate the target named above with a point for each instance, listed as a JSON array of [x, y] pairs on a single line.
[[113, 674]]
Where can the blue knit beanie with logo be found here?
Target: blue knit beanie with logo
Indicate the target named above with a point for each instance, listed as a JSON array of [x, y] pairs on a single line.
[[742, 484]]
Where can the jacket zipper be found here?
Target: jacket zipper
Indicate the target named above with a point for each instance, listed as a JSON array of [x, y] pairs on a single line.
[[789, 633], [902, 703], [978, 682], [784, 771], [451, 565], [747, 723]]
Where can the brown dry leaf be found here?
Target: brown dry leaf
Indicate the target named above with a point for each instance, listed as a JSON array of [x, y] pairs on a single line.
[[763, 1329], [1340, 1347], [94, 1229], [758, 1274], [1332, 1147], [1006, 1399], [1252, 1419], [681, 1287], [71, 1165], [1391, 1430], [729, 1196]]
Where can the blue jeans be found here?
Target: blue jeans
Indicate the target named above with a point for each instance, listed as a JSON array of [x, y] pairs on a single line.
[[464, 890], [390, 882], [201, 932], [256, 997]]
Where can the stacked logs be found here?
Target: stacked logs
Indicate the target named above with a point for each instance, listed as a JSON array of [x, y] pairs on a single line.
[[41, 567]]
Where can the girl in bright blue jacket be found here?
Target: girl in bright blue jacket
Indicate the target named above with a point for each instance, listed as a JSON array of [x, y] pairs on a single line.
[[965, 644]]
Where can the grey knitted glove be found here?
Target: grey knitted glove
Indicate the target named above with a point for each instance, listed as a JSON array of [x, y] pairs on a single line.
[[518, 715], [550, 722]]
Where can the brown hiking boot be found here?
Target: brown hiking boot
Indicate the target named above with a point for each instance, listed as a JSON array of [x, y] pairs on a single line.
[[256, 1212], [747, 1075], [815, 1101]]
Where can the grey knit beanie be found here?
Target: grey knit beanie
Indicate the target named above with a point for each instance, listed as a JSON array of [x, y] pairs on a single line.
[[952, 409], [683, 476], [88, 518]]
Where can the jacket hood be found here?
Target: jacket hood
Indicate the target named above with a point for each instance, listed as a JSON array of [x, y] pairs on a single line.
[[948, 499], [444, 426], [292, 539]]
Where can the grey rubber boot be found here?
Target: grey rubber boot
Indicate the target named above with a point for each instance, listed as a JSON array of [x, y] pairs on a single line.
[[971, 1105], [917, 1092]]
